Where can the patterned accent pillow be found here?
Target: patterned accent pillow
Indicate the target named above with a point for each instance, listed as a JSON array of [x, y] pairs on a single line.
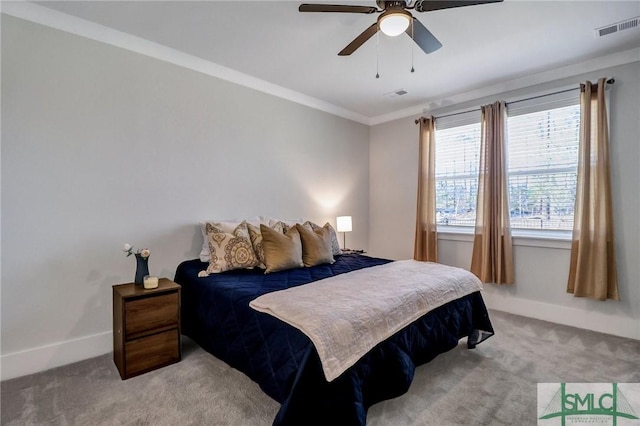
[[229, 251], [335, 245], [228, 226], [287, 222], [256, 240], [280, 226]]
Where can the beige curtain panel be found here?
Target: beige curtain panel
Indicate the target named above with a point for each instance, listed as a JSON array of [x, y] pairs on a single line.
[[426, 239], [492, 258], [592, 272]]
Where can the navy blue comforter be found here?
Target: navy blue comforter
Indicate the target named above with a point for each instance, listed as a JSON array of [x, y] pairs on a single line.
[[283, 361]]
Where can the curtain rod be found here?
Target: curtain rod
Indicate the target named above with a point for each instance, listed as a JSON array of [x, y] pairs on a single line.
[[610, 81]]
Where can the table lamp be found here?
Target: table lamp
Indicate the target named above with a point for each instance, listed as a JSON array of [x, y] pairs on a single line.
[[344, 225]]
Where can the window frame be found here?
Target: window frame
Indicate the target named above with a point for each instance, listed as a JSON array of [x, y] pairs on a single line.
[[548, 238]]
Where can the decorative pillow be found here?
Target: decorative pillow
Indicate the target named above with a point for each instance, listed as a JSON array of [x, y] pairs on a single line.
[[316, 245], [288, 223], [335, 245], [229, 251], [280, 225], [256, 240], [227, 226], [281, 251]]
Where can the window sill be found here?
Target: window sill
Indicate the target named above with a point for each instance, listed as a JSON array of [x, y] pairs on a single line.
[[520, 237]]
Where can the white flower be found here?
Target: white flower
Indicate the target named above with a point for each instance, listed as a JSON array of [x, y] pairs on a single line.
[[128, 249]]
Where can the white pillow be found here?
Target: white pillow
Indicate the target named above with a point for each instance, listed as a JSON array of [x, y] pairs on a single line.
[[227, 226]]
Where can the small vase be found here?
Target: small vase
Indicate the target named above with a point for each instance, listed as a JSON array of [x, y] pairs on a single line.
[[142, 269]]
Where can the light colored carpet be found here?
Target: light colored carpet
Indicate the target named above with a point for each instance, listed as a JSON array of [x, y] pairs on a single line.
[[494, 384]]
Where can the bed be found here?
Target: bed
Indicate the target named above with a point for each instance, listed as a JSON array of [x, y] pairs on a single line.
[[284, 362]]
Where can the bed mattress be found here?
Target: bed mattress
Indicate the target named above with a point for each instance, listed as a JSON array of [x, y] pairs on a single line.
[[283, 361]]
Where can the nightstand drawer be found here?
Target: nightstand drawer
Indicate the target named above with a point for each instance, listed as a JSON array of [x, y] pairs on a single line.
[[151, 352], [151, 313]]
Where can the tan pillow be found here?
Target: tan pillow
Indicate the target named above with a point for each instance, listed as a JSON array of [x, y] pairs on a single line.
[[335, 245], [256, 240], [316, 245], [229, 251], [281, 251]]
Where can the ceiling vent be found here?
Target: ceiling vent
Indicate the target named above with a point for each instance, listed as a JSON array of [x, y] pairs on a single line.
[[395, 94], [620, 26]]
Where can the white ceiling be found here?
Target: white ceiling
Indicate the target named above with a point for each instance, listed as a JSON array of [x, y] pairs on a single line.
[[271, 40]]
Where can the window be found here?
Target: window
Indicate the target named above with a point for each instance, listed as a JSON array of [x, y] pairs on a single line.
[[457, 162], [542, 158], [543, 165]]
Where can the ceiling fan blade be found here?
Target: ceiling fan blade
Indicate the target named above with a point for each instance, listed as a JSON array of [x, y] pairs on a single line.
[[429, 5], [336, 8], [359, 41], [423, 37]]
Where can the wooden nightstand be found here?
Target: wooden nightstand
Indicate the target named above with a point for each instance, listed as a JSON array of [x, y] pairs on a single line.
[[146, 327]]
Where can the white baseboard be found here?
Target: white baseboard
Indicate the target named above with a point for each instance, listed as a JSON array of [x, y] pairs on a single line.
[[46, 357], [595, 321], [43, 358]]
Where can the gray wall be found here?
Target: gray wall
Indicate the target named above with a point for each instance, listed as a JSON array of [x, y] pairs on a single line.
[[102, 146], [541, 266]]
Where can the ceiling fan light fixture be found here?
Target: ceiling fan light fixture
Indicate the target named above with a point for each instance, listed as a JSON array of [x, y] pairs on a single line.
[[394, 22]]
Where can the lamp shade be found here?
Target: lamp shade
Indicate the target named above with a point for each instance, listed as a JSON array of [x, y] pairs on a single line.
[[343, 223], [394, 22]]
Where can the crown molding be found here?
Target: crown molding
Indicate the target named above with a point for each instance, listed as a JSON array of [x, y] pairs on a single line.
[[91, 30], [61, 21], [428, 106]]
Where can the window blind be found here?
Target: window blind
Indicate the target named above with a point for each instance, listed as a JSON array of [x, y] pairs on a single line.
[[560, 99], [542, 163], [457, 162], [458, 119], [542, 157]]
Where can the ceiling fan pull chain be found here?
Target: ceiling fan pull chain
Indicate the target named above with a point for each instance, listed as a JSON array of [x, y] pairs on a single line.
[[412, 45], [377, 54]]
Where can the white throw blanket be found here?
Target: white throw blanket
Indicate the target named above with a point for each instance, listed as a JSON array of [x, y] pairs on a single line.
[[347, 315]]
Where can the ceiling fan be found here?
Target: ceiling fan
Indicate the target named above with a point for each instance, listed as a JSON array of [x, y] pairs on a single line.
[[395, 19]]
